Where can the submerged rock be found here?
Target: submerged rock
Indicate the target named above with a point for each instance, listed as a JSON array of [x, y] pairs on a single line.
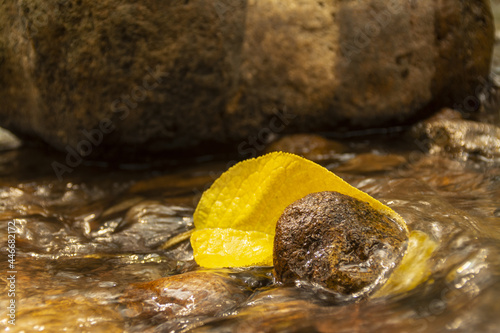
[[67, 314], [190, 294], [311, 146], [336, 242], [369, 162], [126, 76]]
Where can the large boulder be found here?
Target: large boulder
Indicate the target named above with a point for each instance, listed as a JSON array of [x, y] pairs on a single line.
[[127, 76]]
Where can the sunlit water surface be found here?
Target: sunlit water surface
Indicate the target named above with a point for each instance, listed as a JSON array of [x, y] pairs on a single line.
[[82, 242], [84, 245]]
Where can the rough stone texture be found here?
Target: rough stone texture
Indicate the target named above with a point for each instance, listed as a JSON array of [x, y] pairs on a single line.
[[337, 242], [462, 139], [222, 69]]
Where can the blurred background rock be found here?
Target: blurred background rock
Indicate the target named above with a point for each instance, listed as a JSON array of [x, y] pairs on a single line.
[[119, 77]]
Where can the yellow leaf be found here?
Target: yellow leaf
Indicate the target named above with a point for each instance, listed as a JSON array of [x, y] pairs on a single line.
[[236, 217], [232, 248]]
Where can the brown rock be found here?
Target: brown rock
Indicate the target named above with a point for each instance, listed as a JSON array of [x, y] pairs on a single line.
[[135, 77], [446, 114], [67, 314], [369, 162], [337, 242], [311, 146], [458, 138], [189, 294]]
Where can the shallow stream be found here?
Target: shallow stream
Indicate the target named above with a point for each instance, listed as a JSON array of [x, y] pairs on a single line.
[[82, 242], [87, 245]]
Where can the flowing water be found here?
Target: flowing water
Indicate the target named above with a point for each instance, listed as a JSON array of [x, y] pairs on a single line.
[[88, 246]]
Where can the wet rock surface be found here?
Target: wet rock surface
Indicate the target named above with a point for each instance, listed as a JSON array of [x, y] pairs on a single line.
[[70, 315], [268, 310], [337, 242], [188, 294], [310, 146], [119, 76], [459, 138], [367, 163]]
